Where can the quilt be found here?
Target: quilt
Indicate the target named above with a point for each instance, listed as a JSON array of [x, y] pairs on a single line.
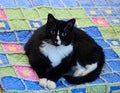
[[18, 20]]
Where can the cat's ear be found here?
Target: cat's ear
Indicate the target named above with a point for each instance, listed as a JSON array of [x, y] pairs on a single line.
[[50, 19], [71, 22], [69, 26]]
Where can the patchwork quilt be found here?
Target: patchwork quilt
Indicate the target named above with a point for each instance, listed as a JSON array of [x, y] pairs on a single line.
[[18, 20]]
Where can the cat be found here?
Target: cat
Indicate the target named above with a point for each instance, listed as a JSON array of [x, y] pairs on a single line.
[[59, 49]]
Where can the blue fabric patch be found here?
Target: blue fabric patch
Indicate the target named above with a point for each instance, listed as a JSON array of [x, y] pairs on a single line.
[[97, 81], [114, 88], [35, 23], [115, 65], [114, 2], [111, 78], [71, 3], [10, 37], [86, 2], [79, 90], [14, 83], [105, 69], [114, 42], [23, 3], [56, 3], [118, 10], [3, 60], [5, 25], [102, 43], [108, 11], [24, 35], [32, 85], [40, 2], [110, 54], [92, 11], [113, 20], [100, 3], [7, 3], [93, 32]]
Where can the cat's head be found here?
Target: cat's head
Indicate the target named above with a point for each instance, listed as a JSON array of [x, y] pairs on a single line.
[[60, 32]]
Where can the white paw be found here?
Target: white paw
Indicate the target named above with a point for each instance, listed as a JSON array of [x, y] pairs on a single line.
[[51, 84], [43, 82], [78, 72]]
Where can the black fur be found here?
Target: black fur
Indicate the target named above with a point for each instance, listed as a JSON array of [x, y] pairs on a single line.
[[85, 51]]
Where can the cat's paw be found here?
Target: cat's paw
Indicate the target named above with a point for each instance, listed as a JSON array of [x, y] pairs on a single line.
[[51, 84], [43, 82]]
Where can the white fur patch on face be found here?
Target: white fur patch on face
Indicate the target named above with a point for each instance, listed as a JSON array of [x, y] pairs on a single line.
[[82, 71], [55, 53]]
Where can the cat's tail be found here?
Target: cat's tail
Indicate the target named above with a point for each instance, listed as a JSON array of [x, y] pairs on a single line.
[[87, 78]]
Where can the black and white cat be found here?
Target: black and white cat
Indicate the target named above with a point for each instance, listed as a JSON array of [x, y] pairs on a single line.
[[58, 49]]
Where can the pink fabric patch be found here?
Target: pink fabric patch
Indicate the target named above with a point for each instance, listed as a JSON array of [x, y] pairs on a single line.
[[12, 47], [100, 21], [26, 72], [2, 14]]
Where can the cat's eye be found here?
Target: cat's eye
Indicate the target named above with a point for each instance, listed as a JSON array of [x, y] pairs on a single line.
[[63, 34], [52, 32]]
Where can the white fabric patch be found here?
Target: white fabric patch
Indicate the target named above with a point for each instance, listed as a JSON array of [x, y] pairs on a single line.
[[55, 53]]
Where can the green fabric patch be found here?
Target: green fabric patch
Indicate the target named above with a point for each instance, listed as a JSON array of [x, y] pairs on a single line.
[[1, 49], [19, 24], [97, 89], [84, 22], [117, 50], [14, 13], [108, 32], [60, 91], [5, 71], [78, 13], [43, 11], [30, 13], [18, 59], [62, 13]]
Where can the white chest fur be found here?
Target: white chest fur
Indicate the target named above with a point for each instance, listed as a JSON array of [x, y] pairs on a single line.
[[55, 53]]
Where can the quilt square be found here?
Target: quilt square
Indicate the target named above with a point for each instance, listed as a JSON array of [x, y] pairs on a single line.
[[78, 90], [114, 42], [100, 3], [2, 14], [70, 3], [7, 3], [43, 11], [115, 65], [40, 3], [35, 23], [113, 20], [92, 11], [93, 31], [11, 37], [18, 59], [24, 3], [3, 60], [117, 10], [26, 72], [19, 24], [5, 71], [110, 54], [24, 35], [13, 83], [86, 2], [114, 3], [56, 3], [4, 25], [12, 47], [102, 43], [30, 13], [100, 21], [14, 13], [108, 11], [111, 78], [30, 85]]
